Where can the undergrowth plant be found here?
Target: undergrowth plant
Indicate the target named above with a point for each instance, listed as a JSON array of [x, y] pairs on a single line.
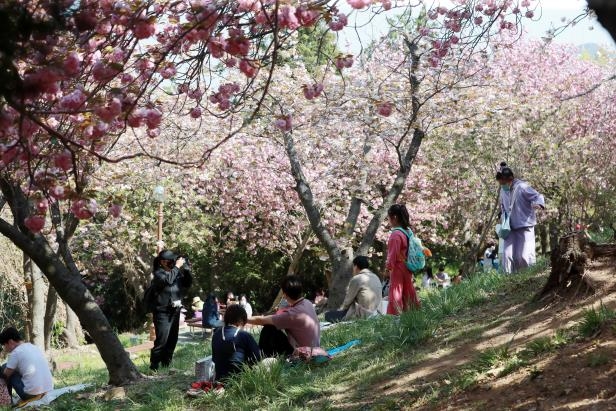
[[594, 319]]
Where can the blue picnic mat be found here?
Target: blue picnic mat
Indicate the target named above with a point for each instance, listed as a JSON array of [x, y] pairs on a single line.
[[338, 350]]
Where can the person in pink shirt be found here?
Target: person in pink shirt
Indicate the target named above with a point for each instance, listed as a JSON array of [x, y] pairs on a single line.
[[402, 294], [296, 326]]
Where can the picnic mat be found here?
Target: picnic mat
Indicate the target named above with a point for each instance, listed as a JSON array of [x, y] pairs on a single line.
[[53, 394], [338, 350]]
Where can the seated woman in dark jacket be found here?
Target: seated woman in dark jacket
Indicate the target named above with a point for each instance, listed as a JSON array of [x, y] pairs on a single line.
[[231, 346], [210, 316]]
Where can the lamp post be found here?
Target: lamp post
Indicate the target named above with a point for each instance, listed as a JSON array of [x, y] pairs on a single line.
[[158, 195]]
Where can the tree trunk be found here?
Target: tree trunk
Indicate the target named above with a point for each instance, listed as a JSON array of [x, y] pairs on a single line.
[[606, 14], [35, 285], [543, 238], [567, 277], [72, 333], [71, 289], [294, 265], [50, 315]]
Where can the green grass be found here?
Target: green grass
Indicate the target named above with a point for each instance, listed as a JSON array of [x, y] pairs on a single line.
[[597, 359], [594, 319], [390, 347]]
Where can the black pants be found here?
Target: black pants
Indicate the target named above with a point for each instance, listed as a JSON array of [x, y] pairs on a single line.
[[335, 316], [166, 325], [273, 342]]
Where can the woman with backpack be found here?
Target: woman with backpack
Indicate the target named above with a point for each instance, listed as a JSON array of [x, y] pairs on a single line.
[[402, 294]]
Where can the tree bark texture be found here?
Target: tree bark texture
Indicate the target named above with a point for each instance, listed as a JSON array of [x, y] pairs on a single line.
[[606, 14], [61, 272], [569, 259], [72, 333], [35, 285], [50, 315]]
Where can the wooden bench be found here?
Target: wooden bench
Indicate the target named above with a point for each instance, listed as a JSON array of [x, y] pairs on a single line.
[[192, 325]]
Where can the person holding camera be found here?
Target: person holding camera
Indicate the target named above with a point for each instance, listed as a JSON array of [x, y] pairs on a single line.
[[172, 278]]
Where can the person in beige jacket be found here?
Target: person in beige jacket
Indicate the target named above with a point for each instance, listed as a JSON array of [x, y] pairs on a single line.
[[363, 294]]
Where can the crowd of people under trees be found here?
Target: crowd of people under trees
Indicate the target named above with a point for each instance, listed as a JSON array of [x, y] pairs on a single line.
[[294, 325]]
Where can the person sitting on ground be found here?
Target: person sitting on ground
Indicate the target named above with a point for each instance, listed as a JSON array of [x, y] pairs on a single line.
[[442, 278], [457, 279], [363, 294], [210, 316], [26, 370], [428, 281], [231, 346], [246, 305], [299, 320], [320, 301]]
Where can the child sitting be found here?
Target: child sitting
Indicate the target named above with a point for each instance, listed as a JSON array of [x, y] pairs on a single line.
[[231, 346]]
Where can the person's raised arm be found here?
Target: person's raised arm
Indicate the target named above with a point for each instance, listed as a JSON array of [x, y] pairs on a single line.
[[261, 320]]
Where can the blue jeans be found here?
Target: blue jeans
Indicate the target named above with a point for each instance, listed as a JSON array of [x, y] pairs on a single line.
[[15, 383]]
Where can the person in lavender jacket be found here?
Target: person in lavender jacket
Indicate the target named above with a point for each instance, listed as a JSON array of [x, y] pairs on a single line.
[[519, 246]]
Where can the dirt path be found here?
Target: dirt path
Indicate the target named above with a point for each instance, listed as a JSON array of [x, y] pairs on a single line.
[[561, 381]]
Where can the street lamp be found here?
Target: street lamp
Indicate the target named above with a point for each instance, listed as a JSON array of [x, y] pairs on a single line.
[[158, 195]]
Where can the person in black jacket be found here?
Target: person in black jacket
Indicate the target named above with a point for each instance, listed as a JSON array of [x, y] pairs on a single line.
[[172, 277], [232, 346]]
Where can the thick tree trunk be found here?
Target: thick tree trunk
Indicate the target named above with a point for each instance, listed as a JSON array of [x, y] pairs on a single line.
[[294, 265], [35, 285], [569, 263], [606, 14], [70, 288], [543, 238], [72, 333], [50, 315]]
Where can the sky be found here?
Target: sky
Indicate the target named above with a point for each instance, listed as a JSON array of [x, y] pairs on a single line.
[[551, 13]]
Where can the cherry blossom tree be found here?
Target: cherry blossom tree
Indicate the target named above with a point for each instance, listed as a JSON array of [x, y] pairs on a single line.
[[83, 83]]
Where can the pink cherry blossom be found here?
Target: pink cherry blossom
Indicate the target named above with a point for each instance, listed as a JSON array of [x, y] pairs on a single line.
[[73, 100], [72, 64], [284, 123], [287, 18], [115, 210], [144, 29], [385, 109], [42, 205], [64, 160], [359, 4], [338, 22], [58, 192], [153, 117], [84, 209], [248, 67], [195, 112], [307, 17], [35, 223]]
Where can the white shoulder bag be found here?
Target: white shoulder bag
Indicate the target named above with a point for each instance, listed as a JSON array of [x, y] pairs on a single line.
[[504, 228]]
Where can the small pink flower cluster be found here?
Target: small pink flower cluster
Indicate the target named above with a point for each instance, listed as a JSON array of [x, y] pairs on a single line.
[[312, 91], [344, 61], [284, 123], [223, 96]]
